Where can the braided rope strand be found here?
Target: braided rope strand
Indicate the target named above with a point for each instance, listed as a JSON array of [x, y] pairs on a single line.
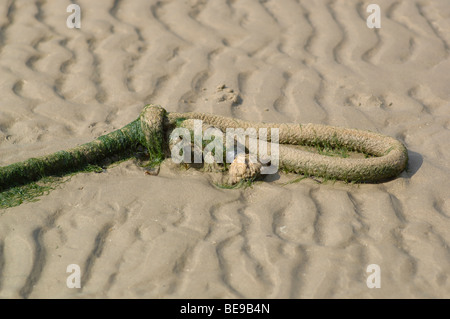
[[150, 130]]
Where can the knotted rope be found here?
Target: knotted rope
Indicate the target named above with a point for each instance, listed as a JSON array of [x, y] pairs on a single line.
[[150, 130]]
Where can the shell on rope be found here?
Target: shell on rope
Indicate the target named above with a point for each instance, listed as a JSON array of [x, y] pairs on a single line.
[[244, 167]]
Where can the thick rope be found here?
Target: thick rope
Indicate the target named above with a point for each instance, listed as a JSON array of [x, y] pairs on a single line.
[[151, 128]]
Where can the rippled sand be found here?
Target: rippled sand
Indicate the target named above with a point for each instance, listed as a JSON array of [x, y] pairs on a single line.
[[176, 235]]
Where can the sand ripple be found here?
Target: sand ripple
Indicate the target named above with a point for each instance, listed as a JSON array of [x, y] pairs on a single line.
[[175, 235]]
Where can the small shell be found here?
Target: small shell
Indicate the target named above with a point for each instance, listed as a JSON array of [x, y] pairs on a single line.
[[244, 167]]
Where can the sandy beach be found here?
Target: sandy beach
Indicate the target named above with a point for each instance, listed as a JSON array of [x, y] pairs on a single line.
[[176, 235]]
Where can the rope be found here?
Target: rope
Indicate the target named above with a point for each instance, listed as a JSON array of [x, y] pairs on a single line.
[[389, 159]]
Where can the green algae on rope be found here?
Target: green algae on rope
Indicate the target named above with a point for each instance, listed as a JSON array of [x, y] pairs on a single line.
[[151, 128], [74, 159]]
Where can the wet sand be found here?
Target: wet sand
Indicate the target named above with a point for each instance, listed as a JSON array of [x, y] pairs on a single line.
[[176, 235]]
